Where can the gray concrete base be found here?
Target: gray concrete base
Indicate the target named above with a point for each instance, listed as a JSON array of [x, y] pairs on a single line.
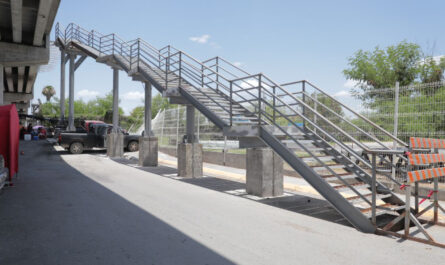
[[148, 151], [115, 145], [190, 160], [264, 172]]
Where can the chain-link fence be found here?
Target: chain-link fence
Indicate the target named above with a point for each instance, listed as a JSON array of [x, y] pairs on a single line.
[[170, 127], [416, 110]]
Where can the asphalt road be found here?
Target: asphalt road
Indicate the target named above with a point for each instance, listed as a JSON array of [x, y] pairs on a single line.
[[88, 209]]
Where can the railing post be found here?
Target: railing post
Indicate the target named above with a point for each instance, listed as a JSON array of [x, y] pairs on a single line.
[[139, 52], [231, 100], [259, 99], [407, 208], [217, 73], [112, 51], [202, 76], [303, 89], [374, 190], [100, 44], [180, 68], [274, 103]]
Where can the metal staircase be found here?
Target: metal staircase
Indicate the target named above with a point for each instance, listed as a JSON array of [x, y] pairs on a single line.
[[318, 142]]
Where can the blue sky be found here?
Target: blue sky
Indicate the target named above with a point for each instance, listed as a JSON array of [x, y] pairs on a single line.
[[286, 40]]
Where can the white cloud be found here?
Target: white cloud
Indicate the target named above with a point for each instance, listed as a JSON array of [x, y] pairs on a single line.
[[342, 93], [434, 58], [133, 95], [201, 39], [350, 83], [87, 94], [238, 64], [249, 83]]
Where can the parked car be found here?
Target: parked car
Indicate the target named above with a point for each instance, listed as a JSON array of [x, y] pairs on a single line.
[[96, 137]]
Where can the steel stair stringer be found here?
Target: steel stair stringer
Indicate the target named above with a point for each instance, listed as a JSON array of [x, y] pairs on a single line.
[[351, 213], [354, 169]]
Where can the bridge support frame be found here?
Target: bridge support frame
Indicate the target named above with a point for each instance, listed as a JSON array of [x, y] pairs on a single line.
[[264, 172], [71, 127], [190, 151], [148, 144], [63, 61]]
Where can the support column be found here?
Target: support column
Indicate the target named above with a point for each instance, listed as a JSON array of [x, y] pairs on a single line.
[[264, 172], [62, 86], [71, 126], [2, 88], [115, 140], [190, 151], [148, 144], [115, 100]]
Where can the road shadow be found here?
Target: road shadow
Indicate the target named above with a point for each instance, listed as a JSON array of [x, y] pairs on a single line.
[[297, 203], [56, 215]]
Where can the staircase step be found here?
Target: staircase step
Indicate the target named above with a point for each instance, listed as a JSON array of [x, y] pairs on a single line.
[[358, 185], [346, 175], [368, 196]]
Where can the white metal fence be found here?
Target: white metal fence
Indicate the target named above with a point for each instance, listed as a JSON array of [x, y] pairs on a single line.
[[170, 127]]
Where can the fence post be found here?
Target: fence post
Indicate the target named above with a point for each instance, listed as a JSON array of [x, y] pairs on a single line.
[[162, 127], [259, 99], [396, 125], [177, 128]]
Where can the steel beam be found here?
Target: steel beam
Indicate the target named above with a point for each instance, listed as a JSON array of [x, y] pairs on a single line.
[[79, 62], [147, 128], [62, 85], [115, 100], [71, 126], [190, 124]]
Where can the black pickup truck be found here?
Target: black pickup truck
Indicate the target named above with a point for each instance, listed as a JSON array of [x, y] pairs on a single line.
[[96, 137]]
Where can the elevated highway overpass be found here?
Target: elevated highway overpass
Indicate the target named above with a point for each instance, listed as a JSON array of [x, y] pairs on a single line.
[[25, 26]]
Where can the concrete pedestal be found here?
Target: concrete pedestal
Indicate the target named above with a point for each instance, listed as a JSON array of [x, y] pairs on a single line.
[[115, 145], [190, 160], [264, 172], [148, 151]]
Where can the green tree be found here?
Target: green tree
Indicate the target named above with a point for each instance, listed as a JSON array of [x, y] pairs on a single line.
[[159, 103], [431, 70], [384, 67]]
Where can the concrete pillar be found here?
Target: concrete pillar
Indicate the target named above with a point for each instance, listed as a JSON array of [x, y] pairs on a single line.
[[264, 172], [190, 160], [148, 145], [115, 140], [190, 152], [71, 126], [62, 86], [2, 88]]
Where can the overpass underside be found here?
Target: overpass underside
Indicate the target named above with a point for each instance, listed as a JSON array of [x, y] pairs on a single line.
[[25, 26]]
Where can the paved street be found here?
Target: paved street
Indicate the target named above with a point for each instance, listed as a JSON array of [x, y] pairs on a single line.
[[88, 209]]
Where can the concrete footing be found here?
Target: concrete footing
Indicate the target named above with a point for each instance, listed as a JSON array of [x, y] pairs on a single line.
[[115, 145], [148, 151], [264, 172], [190, 160]]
